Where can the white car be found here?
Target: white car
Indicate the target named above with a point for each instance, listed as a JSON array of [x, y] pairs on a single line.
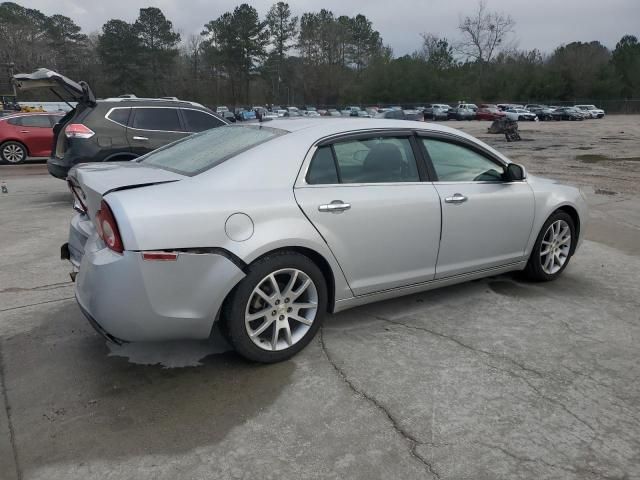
[[520, 114], [594, 111], [311, 113], [348, 212]]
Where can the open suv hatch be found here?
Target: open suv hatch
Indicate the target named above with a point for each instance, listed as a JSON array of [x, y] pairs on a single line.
[[113, 129]]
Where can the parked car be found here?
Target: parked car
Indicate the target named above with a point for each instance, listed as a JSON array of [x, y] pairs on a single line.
[[332, 112], [414, 115], [311, 113], [543, 112], [25, 135], [228, 116], [116, 128], [363, 114], [245, 115], [436, 111], [567, 113], [489, 112], [269, 267], [221, 109], [594, 111], [464, 111], [520, 114], [392, 115]]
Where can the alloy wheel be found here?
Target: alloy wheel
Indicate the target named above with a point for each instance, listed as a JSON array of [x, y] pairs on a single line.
[[13, 153], [555, 247], [281, 309]]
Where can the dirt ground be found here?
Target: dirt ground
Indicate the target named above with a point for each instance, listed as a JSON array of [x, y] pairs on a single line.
[[603, 154]]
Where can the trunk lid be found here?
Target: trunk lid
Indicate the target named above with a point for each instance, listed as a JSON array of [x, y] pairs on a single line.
[[63, 87], [95, 180]]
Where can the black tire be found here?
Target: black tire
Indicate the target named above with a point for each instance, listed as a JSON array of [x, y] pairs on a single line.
[[8, 151], [233, 314], [534, 271]]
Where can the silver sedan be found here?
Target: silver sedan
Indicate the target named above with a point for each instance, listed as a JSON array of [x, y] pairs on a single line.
[[264, 228]]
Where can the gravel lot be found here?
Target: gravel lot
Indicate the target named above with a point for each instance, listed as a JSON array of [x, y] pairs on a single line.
[[494, 379]]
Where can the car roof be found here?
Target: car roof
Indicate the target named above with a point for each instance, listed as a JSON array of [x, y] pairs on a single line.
[[23, 114], [312, 129], [161, 102]]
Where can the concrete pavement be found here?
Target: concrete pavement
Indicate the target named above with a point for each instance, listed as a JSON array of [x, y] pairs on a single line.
[[494, 379]]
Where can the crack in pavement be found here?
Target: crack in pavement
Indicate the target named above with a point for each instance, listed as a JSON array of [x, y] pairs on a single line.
[[466, 346], [576, 471], [7, 407], [408, 437], [36, 304], [51, 286], [505, 370]]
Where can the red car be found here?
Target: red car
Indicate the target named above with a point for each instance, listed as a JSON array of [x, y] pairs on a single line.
[[25, 135], [489, 112]]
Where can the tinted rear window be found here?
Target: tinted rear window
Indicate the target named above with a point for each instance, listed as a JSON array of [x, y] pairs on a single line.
[[163, 119], [205, 150], [198, 121], [119, 115]]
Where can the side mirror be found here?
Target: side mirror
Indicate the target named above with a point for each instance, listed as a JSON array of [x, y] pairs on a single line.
[[515, 173]]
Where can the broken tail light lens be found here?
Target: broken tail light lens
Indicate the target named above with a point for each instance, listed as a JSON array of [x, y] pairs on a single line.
[[108, 228], [78, 200]]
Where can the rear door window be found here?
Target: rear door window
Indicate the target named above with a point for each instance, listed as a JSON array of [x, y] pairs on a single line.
[[120, 116], [322, 170], [376, 160], [198, 121], [159, 119]]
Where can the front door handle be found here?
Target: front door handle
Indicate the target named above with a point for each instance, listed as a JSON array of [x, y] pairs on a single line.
[[24, 131], [456, 198], [335, 206], [141, 139]]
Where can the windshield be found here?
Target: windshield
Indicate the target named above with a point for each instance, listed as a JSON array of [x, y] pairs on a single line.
[[202, 151]]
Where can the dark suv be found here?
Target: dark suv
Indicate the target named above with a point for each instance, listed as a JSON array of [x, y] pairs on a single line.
[[115, 128]]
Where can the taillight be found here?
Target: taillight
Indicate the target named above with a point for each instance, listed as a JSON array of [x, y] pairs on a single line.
[[108, 228], [78, 201], [78, 130]]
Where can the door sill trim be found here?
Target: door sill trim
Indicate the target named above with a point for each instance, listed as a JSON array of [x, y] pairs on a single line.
[[345, 304]]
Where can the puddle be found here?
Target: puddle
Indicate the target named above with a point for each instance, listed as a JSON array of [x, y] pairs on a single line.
[[592, 158], [601, 191], [170, 354], [596, 157]]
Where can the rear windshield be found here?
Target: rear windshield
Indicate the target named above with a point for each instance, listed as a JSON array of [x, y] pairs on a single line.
[[202, 151]]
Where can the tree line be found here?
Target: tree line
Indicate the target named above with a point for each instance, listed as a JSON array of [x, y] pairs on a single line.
[[318, 58]]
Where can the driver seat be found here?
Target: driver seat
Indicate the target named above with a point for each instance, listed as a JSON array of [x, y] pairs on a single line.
[[383, 163]]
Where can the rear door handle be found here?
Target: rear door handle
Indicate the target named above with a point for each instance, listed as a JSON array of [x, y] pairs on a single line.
[[335, 206], [24, 131], [456, 198], [141, 139]]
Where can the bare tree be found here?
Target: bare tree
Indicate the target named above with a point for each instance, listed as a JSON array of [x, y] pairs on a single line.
[[193, 49], [484, 33]]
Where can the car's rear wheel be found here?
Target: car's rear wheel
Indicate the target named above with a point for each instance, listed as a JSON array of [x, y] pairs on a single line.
[[553, 248], [277, 308], [13, 152]]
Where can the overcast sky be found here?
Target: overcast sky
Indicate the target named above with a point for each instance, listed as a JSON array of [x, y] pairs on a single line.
[[542, 24]]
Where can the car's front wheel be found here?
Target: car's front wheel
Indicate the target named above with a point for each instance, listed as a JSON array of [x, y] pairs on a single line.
[[277, 308], [13, 152], [553, 248]]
